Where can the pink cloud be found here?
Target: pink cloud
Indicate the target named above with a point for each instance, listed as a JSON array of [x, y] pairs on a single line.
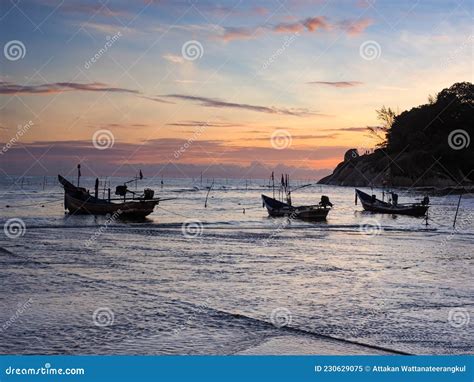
[[337, 84], [354, 28], [231, 33], [60, 87], [310, 24], [314, 23]]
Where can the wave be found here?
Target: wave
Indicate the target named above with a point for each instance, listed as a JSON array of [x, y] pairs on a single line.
[[252, 321]]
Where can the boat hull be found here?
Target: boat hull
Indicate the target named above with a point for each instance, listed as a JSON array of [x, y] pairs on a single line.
[[378, 206], [276, 208], [77, 200], [91, 206]]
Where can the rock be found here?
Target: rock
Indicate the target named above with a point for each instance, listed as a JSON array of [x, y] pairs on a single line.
[[412, 169], [351, 154]]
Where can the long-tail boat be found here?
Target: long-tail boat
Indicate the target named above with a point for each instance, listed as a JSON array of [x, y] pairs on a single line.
[[278, 208], [78, 200], [372, 204]]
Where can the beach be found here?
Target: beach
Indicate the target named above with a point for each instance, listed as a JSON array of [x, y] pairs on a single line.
[[216, 280]]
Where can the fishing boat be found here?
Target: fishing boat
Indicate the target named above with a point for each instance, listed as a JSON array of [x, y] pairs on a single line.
[[279, 208], [78, 200], [372, 204]]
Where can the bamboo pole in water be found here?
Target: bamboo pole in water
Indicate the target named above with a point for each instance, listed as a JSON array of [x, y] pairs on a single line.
[[457, 210]]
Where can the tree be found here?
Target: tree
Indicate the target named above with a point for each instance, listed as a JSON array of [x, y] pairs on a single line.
[[387, 118]]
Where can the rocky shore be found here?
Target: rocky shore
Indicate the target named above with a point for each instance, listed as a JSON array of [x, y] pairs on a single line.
[[410, 170]]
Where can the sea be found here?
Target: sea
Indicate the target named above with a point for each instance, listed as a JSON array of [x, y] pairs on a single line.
[[209, 272]]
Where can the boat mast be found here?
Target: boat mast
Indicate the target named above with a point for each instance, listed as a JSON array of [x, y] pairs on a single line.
[[78, 174], [287, 189], [273, 184]]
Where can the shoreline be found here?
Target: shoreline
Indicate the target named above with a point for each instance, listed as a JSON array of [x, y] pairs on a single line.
[[292, 344]]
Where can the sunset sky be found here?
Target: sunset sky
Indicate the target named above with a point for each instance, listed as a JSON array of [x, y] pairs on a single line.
[[230, 88]]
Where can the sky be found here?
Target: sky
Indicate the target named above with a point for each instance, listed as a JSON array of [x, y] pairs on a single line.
[[232, 88]]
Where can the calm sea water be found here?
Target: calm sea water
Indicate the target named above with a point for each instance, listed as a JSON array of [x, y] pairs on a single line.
[[215, 280]]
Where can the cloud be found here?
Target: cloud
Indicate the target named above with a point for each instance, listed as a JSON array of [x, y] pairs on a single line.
[[106, 28], [355, 27], [350, 129], [310, 24], [60, 87], [226, 11], [203, 123], [231, 33], [157, 99], [213, 102], [93, 9], [303, 136], [120, 126], [153, 156], [337, 84], [174, 58]]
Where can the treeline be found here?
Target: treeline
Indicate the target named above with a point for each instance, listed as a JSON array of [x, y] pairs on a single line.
[[440, 130]]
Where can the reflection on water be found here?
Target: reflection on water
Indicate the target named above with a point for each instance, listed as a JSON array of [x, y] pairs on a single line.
[[211, 285]]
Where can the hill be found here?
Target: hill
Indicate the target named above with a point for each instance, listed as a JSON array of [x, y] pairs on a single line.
[[428, 145]]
